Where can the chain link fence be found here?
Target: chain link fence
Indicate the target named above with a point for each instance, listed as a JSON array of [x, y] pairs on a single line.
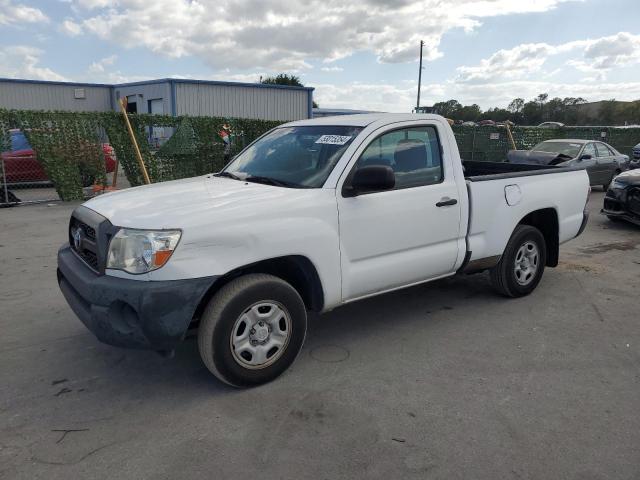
[[70, 156], [491, 143]]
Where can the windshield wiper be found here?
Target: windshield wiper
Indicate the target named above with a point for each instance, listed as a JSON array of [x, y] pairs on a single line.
[[228, 175], [273, 181], [259, 179]]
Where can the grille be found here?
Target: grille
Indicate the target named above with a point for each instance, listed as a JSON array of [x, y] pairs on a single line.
[[90, 259], [89, 231], [88, 248], [611, 205]]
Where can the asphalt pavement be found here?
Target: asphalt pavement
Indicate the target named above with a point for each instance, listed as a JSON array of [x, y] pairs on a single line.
[[445, 380]]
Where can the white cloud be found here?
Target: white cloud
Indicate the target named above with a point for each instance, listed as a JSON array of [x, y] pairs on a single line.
[[373, 96], [595, 56], [286, 34], [401, 97], [18, 13], [21, 61], [99, 66], [71, 28], [332, 69]]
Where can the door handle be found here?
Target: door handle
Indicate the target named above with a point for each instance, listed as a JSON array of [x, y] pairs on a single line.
[[446, 201]]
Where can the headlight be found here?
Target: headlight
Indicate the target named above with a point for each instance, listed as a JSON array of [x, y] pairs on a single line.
[[141, 251]]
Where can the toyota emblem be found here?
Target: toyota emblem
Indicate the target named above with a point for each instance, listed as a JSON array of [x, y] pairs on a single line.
[[77, 235]]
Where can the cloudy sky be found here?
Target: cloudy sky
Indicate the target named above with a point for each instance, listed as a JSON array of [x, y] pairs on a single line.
[[360, 54]]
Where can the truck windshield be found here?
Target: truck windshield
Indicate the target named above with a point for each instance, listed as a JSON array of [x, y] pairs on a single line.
[[566, 148], [301, 157]]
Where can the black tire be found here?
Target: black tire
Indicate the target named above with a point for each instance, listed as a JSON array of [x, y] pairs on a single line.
[[227, 306], [503, 276]]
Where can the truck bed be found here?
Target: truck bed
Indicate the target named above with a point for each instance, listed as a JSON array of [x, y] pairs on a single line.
[[498, 205], [482, 171]]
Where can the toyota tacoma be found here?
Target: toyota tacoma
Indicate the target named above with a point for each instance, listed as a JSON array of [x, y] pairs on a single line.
[[312, 215]]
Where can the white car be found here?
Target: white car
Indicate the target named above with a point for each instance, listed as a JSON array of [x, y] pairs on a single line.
[[312, 215]]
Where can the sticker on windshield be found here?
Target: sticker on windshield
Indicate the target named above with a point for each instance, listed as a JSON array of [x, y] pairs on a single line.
[[575, 144], [333, 139]]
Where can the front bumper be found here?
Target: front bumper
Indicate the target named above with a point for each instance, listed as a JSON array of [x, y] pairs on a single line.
[[623, 203], [130, 313], [621, 215]]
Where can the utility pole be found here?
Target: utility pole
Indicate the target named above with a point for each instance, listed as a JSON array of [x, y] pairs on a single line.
[[419, 76]]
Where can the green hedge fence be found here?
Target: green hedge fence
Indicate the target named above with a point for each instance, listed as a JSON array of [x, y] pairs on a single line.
[[68, 144]]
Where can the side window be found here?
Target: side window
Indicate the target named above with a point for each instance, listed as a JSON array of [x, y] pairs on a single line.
[[603, 151], [413, 154], [589, 150]]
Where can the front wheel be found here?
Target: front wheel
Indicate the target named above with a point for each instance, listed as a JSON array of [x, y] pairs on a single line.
[[521, 266], [252, 330]]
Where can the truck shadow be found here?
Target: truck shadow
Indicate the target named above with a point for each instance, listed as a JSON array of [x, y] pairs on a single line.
[[420, 304], [327, 340]]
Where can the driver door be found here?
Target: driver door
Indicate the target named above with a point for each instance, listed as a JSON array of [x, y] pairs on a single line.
[[591, 164], [393, 238], [606, 163]]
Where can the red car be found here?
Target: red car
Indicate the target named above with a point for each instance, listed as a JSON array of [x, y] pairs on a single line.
[[21, 165]]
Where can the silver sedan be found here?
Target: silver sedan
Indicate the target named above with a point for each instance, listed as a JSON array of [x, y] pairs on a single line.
[[601, 160]]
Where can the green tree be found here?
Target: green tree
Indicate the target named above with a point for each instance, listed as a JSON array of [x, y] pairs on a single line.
[[607, 112], [283, 79], [554, 110], [449, 109], [531, 113], [470, 113], [516, 105]]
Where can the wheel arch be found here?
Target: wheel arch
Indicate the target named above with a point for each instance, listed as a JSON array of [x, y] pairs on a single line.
[[297, 270], [546, 220]]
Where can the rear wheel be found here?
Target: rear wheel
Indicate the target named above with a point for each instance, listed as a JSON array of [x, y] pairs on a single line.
[[252, 330], [522, 264]]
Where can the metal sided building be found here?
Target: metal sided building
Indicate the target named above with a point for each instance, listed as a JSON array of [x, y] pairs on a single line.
[[42, 95], [164, 97]]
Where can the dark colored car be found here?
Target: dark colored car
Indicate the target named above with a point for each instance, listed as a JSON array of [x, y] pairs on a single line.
[[622, 201], [21, 165], [602, 161], [635, 159]]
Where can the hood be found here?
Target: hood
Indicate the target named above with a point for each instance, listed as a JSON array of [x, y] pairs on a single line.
[[630, 177], [177, 203], [536, 158]]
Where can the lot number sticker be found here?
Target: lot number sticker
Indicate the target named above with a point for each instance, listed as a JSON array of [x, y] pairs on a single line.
[[333, 139]]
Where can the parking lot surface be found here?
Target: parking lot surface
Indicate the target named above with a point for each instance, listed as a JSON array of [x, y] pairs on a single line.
[[444, 380]]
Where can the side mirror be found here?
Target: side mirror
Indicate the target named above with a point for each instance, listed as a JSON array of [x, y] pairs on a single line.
[[586, 156], [373, 178]]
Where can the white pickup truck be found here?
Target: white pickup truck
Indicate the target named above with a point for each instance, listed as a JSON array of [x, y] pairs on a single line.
[[312, 215]]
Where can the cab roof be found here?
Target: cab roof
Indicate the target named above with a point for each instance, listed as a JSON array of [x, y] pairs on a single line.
[[361, 119]]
